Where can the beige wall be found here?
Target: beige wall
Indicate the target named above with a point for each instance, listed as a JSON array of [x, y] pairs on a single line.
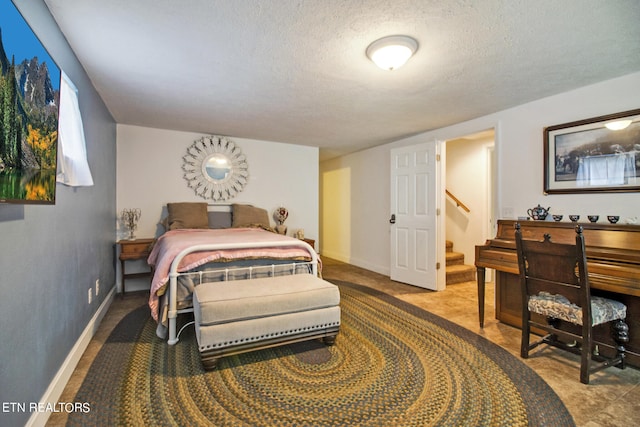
[[336, 213]]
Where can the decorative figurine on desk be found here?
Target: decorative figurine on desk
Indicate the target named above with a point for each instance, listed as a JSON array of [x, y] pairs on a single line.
[[130, 219], [280, 215]]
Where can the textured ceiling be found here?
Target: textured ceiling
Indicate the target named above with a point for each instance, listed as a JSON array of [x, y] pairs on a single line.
[[295, 71]]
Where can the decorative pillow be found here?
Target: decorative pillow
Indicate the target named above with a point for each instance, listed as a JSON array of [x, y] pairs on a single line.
[[187, 215], [250, 216]]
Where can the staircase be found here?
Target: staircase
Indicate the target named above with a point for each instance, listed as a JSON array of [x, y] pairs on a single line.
[[457, 270]]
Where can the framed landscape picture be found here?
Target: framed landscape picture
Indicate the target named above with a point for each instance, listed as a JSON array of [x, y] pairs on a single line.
[[29, 106], [601, 154]]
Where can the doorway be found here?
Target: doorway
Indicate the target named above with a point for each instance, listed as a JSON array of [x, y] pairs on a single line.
[[470, 183]]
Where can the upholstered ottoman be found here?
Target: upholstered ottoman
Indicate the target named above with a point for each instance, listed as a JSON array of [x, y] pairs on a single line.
[[243, 315]]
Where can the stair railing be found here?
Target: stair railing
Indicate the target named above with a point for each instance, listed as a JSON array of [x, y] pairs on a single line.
[[457, 201]]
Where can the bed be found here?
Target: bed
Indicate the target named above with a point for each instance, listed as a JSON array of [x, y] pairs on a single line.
[[204, 244]]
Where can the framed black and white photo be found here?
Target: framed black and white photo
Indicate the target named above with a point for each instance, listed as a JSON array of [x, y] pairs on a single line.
[[601, 154]]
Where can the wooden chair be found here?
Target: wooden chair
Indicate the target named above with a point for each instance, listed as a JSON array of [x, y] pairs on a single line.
[[555, 284]]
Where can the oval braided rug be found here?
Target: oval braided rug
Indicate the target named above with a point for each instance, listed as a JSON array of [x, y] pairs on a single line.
[[393, 364]]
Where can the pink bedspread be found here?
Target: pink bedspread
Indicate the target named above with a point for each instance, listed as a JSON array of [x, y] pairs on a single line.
[[170, 244]]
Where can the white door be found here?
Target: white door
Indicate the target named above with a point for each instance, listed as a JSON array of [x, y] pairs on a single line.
[[415, 198]]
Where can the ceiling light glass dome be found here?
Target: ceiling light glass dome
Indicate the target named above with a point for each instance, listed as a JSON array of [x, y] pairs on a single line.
[[392, 52]]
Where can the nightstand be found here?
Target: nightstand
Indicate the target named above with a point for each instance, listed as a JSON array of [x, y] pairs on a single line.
[[311, 243], [133, 250]]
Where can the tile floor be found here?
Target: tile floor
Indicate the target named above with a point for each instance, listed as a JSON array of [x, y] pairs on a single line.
[[612, 398]]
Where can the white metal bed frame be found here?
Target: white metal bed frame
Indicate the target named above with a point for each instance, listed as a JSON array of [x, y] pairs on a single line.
[[174, 274]]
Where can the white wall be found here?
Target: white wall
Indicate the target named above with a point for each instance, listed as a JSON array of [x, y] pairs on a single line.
[[150, 175], [519, 154]]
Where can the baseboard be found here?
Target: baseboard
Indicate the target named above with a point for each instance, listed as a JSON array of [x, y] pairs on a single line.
[[335, 255], [369, 266], [55, 389], [356, 262]]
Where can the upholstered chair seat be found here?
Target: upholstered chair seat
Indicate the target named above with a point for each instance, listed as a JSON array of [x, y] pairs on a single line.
[[555, 306]]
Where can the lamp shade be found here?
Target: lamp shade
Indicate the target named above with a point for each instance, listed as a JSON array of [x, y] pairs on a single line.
[[392, 52]]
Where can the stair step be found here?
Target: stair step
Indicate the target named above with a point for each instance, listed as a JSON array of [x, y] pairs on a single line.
[[456, 270], [454, 258], [460, 273], [449, 245]]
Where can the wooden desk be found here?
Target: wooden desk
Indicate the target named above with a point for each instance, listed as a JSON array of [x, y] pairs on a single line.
[[613, 261], [133, 250]]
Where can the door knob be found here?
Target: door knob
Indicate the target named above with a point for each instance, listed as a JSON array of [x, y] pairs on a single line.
[[393, 219]]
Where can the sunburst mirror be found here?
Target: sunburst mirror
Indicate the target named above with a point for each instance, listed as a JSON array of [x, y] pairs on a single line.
[[215, 168]]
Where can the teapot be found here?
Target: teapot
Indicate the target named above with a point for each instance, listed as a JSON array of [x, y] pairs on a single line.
[[538, 213]]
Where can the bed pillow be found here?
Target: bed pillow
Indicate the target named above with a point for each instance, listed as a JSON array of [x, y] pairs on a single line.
[[250, 216], [220, 220], [187, 215]]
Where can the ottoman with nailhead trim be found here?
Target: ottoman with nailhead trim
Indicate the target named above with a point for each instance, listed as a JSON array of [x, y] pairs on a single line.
[[244, 315]]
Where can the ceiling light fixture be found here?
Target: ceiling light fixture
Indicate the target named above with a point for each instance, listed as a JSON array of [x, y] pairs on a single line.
[[618, 125], [392, 52]]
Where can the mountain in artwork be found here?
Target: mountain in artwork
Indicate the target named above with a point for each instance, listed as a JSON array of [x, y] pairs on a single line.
[[28, 114]]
